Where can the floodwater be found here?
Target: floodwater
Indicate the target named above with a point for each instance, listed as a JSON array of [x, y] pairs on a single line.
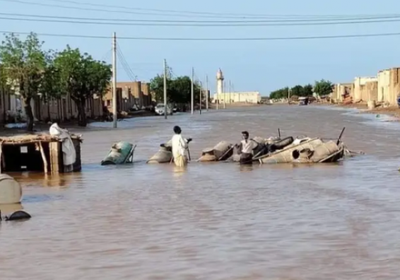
[[216, 220]]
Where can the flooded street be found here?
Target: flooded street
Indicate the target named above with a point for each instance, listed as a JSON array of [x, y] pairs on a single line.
[[215, 220]]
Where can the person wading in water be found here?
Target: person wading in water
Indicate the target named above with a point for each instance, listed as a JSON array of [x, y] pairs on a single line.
[[179, 147], [246, 148]]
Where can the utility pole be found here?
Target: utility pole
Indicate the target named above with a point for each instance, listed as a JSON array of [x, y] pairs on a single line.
[[230, 90], [165, 89], [200, 96], [192, 93], [207, 93], [114, 80], [224, 95], [288, 96]]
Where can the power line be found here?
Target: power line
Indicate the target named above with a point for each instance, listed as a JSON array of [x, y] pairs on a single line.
[[213, 39], [83, 20], [198, 25], [214, 14], [123, 60], [191, 14]]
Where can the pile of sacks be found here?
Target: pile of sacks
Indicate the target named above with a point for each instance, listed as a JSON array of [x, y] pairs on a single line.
[[318, 152], [222, 151], [266, 145], [164, 154], [304, 150]]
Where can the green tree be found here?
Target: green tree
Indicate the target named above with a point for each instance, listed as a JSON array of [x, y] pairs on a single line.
[[280, 93], [181, 90], [157, 86], [80, 76], [24, 64], [323, 87], [4, 88], [51, 82], [297, 91], [178, 89], [308, 90]]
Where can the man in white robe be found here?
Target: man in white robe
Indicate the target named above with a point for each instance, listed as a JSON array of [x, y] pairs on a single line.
[[179, 147], [68, 148]]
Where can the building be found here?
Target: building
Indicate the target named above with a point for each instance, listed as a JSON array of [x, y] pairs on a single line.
[[62, 109], [388, 86], [361, 84], [129, 94], [341, 90], [233, 97]]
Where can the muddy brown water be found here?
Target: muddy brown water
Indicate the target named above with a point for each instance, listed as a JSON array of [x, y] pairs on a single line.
[[215, 220]]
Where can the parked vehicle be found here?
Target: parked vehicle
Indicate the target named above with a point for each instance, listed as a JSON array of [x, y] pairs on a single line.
[[160, 109], [303, 100]]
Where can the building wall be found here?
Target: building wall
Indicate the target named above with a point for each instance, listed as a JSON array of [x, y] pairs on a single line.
[[63, 109], [389, 86], [340, 89], [147, 96], [370, 91], [383, 85], [232, 97], [129, 94], [359, 87], [394, 86]]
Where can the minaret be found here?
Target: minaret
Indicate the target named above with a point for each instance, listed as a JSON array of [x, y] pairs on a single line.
[[220, 83]]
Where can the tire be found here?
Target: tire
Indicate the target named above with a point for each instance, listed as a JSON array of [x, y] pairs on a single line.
[[281, 144]]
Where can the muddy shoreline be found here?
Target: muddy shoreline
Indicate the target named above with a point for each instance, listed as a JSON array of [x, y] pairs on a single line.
[[363, 109]]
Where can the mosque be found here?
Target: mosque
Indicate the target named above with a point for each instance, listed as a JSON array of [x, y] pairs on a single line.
[[231, 97]]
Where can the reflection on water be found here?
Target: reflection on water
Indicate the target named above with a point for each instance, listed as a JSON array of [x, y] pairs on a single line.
[[215, 220], [9, 208]]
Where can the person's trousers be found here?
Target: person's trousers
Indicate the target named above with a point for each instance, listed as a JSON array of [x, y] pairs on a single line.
[[246, 158], [180, 161]]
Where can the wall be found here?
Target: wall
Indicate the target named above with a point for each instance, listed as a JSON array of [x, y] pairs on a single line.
[[383, 85], [232, 97], [370, 91], [394, 86], [359, 87], [63, 109], [340, 89], [147, 96], [389, 86]]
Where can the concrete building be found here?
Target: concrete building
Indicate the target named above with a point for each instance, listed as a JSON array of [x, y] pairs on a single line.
[[129, 94], [388, 86], [231, 97], [360, 86], [340, 90], [235, 97], [62, 109]]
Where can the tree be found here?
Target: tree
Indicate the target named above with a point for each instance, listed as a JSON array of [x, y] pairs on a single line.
[[297, 91], [80, 77], [178, 89], [182, 90], [280, 93], [4, 88], [157, 86], [308, 90], [323, 87], [51, 82], [24, 63]]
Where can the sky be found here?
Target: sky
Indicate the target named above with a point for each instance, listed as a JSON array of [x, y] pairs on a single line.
[[261, 66]]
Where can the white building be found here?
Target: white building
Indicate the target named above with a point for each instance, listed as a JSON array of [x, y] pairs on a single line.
[[232, 97]]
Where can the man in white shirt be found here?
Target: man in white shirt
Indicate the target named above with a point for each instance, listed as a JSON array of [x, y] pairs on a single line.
[[179, 147], [246, 148]]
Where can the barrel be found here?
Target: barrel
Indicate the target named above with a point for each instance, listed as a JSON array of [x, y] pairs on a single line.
[[10, 190], [371, 104]]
